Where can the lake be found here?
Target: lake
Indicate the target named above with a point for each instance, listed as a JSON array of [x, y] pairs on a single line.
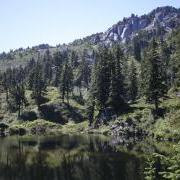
[[73, 157]]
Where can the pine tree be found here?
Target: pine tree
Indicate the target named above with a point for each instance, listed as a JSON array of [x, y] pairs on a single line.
[[66, 83], [5, 84], [165, 59], [145, 73], [83, 74], [133, 82], [119, 57], [137, 48], [58, 65], [39, 84], [47, 67], [16, 90], [155, 82], [29, 73], [90, 109], [91, 102], [174, 68], [74, 59], [17, 97], [116, 100], [107, 80], [85, 71], [102, 79]]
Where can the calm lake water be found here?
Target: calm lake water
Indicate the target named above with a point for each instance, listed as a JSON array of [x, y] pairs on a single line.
[[72, 157]]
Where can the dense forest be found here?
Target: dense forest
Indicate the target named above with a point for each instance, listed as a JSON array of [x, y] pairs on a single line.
[[107, 86]]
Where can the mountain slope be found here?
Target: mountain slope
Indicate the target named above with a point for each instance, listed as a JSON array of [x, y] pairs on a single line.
[[158, 23], [163, 18]]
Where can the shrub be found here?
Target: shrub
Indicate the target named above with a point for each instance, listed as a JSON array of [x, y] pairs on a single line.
[[51, 113], [15, 130], [28, 116]]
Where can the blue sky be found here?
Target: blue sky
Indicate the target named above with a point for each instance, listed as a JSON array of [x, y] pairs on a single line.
[[31, 22]]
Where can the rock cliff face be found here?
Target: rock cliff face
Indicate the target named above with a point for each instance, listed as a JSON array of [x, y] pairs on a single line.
[[162, 19]]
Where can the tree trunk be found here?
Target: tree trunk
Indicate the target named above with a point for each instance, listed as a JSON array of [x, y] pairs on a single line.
[[80, 93], [156, 105], [19, 110], [68, 98], [7, 95]]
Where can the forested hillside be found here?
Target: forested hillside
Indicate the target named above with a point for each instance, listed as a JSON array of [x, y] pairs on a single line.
[[124, 85]]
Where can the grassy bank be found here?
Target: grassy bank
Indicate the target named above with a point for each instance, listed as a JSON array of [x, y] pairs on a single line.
[[56, 117]]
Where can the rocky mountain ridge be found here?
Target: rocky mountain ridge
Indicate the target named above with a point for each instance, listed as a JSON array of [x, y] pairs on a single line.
[[163, 19]]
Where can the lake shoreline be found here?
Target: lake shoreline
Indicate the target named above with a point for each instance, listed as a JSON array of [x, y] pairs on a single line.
[[55, 131]]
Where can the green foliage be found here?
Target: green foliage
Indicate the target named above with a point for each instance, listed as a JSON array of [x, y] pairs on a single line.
[[107, 82], [174, 68], [58, 64], [153, 77], [101, 78], [17, 98], [112, 83], [137, 48], [90, 109], [17, 130], [66, 83], [13, 82], [150, 170], [163, 167], [28, 116], [133, 82], [39, 84], [116, 99]]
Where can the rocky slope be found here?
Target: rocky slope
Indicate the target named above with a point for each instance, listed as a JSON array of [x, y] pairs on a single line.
[[161, 20]]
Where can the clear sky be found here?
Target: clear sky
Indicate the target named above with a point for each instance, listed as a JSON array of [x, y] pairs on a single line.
[[31, 22]]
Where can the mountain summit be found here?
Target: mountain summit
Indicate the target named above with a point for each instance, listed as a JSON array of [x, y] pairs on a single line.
[[161, 20]]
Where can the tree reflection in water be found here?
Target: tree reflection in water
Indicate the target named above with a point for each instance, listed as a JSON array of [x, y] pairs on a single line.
[[66, 158]]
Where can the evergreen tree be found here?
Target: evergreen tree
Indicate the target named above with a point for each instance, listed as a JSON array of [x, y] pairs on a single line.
[[28, 71], [145, 73], [17, 97], [165, 59], [39, 84], [58, 64], [91, 102], [174, 65], [133, 82], [47, 67], [102, 79], [74, 59], [156, 87], [137, 48], [15, 88], [90, 109], [5, 83], [85, 71], [66, 83], [116, 100], [83, 74]]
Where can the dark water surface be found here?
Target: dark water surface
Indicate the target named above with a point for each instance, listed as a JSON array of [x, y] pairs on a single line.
[[71, 157]]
